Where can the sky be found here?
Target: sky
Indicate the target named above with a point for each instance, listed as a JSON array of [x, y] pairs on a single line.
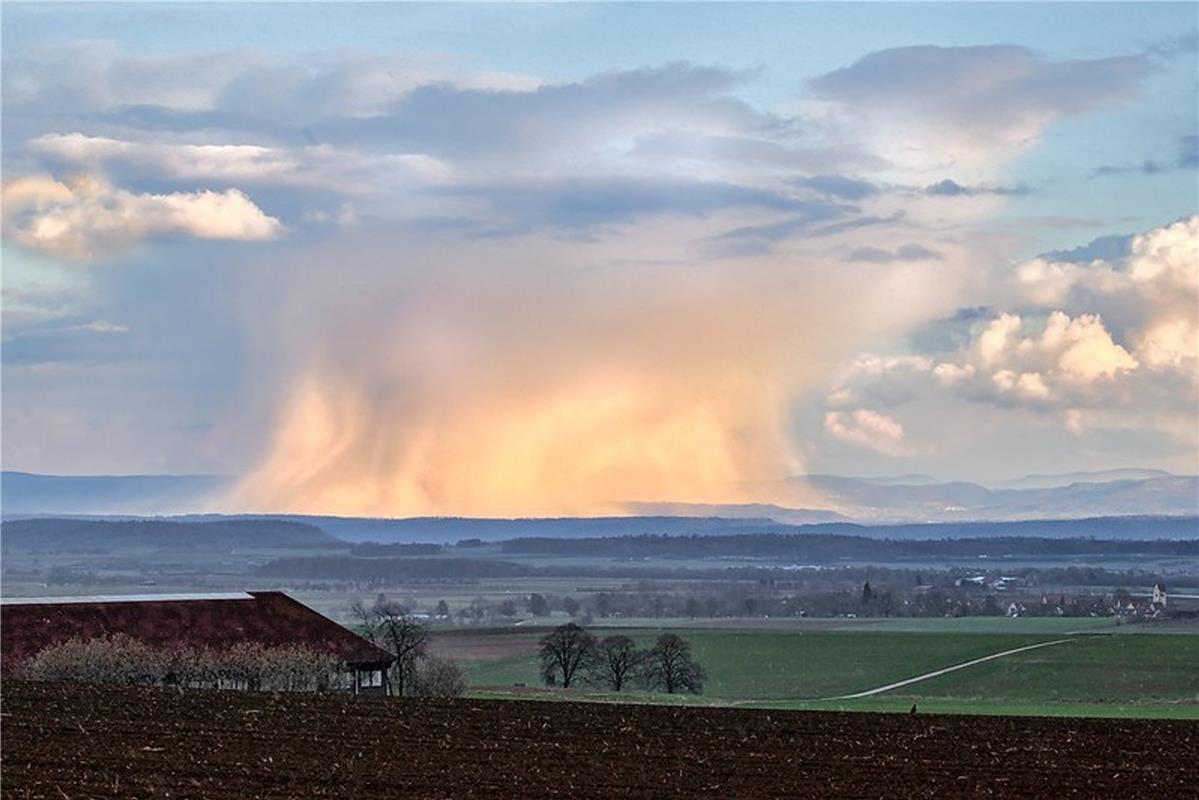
[[507, 259]]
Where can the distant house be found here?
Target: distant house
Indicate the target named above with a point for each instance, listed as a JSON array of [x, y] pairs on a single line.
[[1159, 595], [214, 621]]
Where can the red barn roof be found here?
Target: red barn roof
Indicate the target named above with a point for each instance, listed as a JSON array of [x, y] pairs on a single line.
[[271, 619]]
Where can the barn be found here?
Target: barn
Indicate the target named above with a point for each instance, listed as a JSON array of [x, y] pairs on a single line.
[[213, 621]]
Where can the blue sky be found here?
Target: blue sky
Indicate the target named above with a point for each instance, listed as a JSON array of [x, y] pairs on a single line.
[[515, 258]]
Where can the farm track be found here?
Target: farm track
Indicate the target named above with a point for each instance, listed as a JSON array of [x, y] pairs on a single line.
[[946, 670], [70, 741]]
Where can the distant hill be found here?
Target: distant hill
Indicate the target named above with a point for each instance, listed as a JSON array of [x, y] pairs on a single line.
[[444, 530], [961, 500], [1068, 478], [899, 499], [29, 493], [448, 530], [242, 532], [792, 516], [31, 535]]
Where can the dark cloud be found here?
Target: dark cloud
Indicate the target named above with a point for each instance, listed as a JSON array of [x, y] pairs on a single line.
[[951, 188], [867, 221], [878, 255], [1188, 152], [840, 186], [1146, 167], [949, 333], [580, 204], [448, 120], [756, 239], [813, 220], [1182, 45], [1107, 248]]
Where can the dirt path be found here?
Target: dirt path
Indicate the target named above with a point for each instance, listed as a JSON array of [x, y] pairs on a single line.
[[939, 672]]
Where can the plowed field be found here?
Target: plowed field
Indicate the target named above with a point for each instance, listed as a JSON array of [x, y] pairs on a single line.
[[65, 741]]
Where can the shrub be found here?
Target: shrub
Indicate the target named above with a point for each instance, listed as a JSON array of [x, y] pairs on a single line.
[[438, 677], [122, 660], [117, 659]]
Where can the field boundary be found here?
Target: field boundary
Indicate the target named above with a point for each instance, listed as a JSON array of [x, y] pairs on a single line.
[[945, 670]]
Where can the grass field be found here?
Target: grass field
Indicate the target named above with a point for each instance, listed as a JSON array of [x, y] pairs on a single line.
[[1042, 625], [1093, 674]]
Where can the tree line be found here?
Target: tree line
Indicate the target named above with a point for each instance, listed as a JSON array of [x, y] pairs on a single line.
[[824, 548], [383, 571], [571, 655]]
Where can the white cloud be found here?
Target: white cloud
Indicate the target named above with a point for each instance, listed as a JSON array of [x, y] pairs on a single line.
[[953, 104], [867, 428], [1056, 361], [315, 166], [1155, 289], [86, 217], [102, 326], [1077, 349], [308, 85], [871, 364], [1101, 345]]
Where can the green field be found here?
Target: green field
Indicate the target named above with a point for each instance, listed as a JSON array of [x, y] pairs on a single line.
[[1045, 625], [1090, 674]]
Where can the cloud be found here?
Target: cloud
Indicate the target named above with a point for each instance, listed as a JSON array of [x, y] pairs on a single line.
[[1146, 167], [421, 383], [496, 156], [866, 428], [315, 166], [57, 341], [907, 252], [583, 203], [102, 326], [193, 90], [1078, 350], [963, 102], [1099, 343], [85, 218], [951, 188], [466, 123], [1188, 152], [766, 150], [808, 219], [1174, 47], [839, 186], [1152, 289], [1108, 248], [1185, 158]]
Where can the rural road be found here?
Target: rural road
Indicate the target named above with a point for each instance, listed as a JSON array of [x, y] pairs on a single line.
[[934, 674]]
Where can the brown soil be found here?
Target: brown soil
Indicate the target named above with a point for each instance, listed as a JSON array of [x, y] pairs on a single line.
[[67, 741], [486, 644]]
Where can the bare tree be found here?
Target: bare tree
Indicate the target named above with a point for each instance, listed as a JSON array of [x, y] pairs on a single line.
[[616, 662], [669, 667], [566, 651], [390, 626]]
